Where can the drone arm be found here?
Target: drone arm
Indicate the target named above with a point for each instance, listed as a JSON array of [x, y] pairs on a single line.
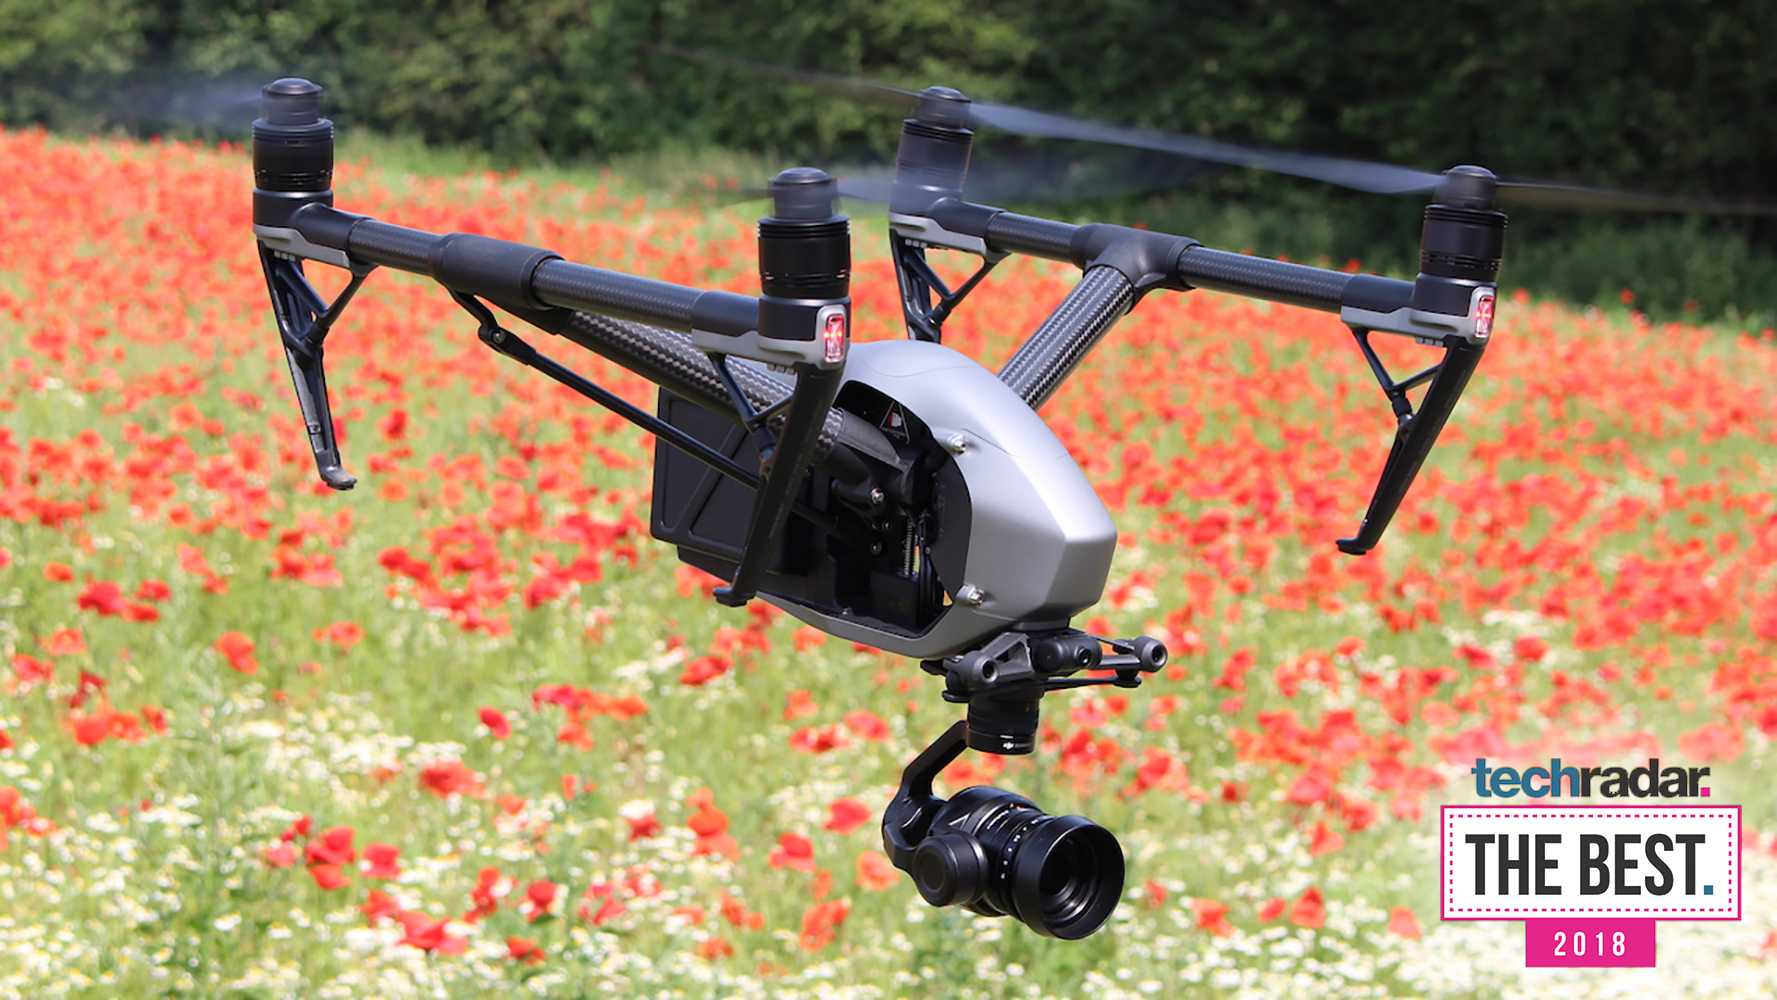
[[1449, 310], [513, 272], [1027, 234], [1103, 296], [663, 356], [1274, 280]]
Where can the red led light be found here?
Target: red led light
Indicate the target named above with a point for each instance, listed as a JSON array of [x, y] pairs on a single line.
[[1484, 314], [833, 336]]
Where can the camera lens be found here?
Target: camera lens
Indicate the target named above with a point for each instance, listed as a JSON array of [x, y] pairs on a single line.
[[1069, 874], [1061, 875]]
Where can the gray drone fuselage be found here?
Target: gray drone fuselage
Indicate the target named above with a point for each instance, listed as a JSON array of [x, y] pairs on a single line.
[[1040, 541]]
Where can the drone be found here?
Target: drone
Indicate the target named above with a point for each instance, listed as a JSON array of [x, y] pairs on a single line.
[[897, 493]]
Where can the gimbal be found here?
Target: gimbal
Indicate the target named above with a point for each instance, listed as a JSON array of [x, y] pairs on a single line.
[[896, 494]]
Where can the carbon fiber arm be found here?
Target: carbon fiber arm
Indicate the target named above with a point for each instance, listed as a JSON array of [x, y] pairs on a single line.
[[1041, 363], [1263, 278], [1026, 234]]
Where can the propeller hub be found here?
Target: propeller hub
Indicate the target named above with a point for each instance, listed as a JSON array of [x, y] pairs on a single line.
[[291, 101], [944, 106], [803, 194], [1467, 187]]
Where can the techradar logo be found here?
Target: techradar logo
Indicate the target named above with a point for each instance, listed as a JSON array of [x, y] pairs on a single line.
[[1583, 782]]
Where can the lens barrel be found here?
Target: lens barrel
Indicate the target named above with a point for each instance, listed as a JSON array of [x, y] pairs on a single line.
[[997, 854]]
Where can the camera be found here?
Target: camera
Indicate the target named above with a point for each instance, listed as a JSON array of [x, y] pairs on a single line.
[[996, 853]]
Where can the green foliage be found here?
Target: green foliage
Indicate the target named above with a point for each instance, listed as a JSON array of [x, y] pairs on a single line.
[[1673, 270]]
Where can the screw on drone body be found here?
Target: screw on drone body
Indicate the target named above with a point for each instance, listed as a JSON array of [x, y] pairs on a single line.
[[957, 444], [877, 497], [876, 548], [971, 595]]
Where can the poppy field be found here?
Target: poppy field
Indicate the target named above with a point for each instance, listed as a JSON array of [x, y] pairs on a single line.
[[468, 731]]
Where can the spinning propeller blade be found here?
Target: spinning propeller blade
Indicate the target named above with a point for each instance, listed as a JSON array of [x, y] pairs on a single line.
[[1374, 178], [1358, 175]]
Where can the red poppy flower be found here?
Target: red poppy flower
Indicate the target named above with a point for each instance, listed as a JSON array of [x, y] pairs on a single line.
[[644, 826], [714, 948], [379, 861], [238, 650], [608, 911], [67, 642], [1324, 841], [485, 895], [1212, 917], [153, 590], [523, 950], [345, 635], [299, 827], [539, 895], [102, 597], [448, 777], [798, 705], [707, 821], [1402, 921], [821, 922], [875, 873], [704, 669], [793, 851], [1309, 910], [430, 935], [846, 815], [379, 905], [808, 637], [817, 741], [575, 735], [91, 730], [332, 847], [867, 725], [31, 670], [329, 877], [496, 723]]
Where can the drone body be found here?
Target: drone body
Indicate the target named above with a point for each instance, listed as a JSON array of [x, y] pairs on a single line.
[[1003, 530], [894, 494]]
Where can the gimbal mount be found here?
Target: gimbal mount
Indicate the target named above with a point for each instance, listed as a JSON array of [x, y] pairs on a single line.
[[896, 493]]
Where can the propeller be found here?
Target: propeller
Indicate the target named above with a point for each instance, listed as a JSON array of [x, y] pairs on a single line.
[[1024, 177], [1357, 175], [183, 101]]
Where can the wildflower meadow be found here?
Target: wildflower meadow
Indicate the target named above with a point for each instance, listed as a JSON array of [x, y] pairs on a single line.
[[468, 731]]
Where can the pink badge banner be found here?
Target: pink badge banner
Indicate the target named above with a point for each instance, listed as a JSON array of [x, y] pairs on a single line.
[[1537, 862], [1590, 881], [1585, 942]]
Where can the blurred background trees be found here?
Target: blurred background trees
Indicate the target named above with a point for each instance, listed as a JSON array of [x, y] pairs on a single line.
[[1670, 96]]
